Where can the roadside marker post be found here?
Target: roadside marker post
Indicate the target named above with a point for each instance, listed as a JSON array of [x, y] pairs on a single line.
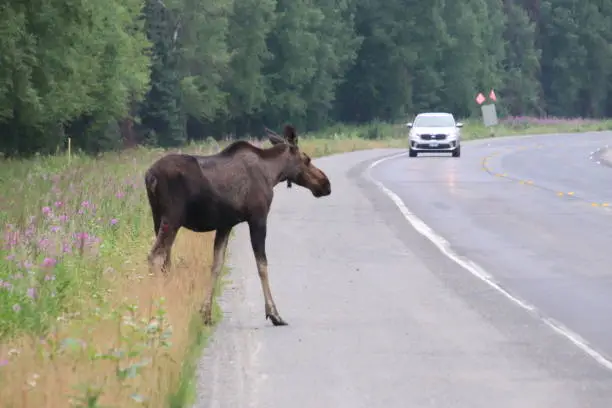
[[489, 112]]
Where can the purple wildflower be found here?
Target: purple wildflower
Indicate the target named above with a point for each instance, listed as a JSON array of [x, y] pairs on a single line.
[[43, 243], [58, 204], [11, 238], [29, 232], [3, 362], [114, 221], [49, 263], [82, 236], [46, 210], [32, 294]]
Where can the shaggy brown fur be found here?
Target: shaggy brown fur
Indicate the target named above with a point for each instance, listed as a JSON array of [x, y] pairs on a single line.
[[217, 192]]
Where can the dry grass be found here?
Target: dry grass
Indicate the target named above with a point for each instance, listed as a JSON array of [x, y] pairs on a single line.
[[43, 377]]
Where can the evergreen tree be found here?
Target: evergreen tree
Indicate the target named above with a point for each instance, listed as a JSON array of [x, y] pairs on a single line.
[[521, 90], [161, 111]]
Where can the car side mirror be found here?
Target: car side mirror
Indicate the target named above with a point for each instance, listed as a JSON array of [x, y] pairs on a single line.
[[409, 124], [459, 125]]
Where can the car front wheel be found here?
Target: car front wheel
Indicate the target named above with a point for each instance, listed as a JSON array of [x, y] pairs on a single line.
[[412, 153], [457, 152]]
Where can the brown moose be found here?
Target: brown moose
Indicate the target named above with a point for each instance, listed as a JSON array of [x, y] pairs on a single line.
[[219, 191]]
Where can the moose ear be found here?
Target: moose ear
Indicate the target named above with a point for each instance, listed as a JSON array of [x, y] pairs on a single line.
[[290, 135], [275, 139]]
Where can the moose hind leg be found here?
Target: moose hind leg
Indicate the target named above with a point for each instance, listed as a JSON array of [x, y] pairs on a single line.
[[220, 246], [258, 242], [163, 244]]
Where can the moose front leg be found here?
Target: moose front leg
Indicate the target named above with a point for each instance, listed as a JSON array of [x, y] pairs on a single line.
[[258, 242], [220, 247]]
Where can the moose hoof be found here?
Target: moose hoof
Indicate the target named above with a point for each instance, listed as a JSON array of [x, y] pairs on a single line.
[[276, 320]]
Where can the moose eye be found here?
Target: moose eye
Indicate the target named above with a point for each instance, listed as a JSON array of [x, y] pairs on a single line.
[[307, 161]]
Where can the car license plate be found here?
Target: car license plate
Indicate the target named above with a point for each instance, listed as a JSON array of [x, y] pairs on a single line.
[[433, 144]]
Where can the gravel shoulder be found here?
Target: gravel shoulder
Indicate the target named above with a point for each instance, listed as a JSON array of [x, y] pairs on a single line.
[[377, 317]]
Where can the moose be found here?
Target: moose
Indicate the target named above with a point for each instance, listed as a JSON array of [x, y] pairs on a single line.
[[217, 192]]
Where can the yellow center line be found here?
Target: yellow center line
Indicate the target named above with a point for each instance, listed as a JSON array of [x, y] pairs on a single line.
[[486, 167]]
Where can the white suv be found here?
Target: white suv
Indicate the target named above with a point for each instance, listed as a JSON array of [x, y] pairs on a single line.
[[434, 132]]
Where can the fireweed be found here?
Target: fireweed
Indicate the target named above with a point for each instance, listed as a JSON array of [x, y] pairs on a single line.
[[59, 227]]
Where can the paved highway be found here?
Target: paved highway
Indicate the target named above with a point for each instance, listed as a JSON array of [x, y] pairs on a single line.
[[429, 282]]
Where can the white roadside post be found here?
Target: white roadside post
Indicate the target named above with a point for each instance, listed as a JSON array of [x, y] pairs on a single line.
[[489, 116]]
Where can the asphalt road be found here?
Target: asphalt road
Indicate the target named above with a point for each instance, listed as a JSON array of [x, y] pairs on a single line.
[[380, 317]]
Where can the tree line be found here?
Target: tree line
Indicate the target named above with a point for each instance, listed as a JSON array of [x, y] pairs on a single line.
[[119, 72]]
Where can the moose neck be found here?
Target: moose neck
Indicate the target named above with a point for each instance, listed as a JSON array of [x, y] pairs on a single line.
[[275, 161]]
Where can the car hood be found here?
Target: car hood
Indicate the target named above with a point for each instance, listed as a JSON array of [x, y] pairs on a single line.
[[435, 130]]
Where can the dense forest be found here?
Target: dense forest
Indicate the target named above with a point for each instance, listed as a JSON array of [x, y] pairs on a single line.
[[109, 73]]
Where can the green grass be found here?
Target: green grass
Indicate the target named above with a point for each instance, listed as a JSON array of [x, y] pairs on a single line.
[[185, 394], [65, 225]]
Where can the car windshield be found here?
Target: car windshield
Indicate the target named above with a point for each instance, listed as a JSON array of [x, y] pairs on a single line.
[[434, 121]]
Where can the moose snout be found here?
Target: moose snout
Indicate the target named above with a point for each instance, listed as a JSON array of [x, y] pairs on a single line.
[[324, 189]]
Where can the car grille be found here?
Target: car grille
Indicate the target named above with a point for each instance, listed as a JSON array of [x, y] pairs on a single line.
[[433, 137], [441, 146]]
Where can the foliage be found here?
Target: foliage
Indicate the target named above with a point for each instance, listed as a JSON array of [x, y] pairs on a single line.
[[67, 61], [164, 72]]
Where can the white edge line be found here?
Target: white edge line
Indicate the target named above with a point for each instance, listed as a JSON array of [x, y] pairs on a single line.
[[444, 246]]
